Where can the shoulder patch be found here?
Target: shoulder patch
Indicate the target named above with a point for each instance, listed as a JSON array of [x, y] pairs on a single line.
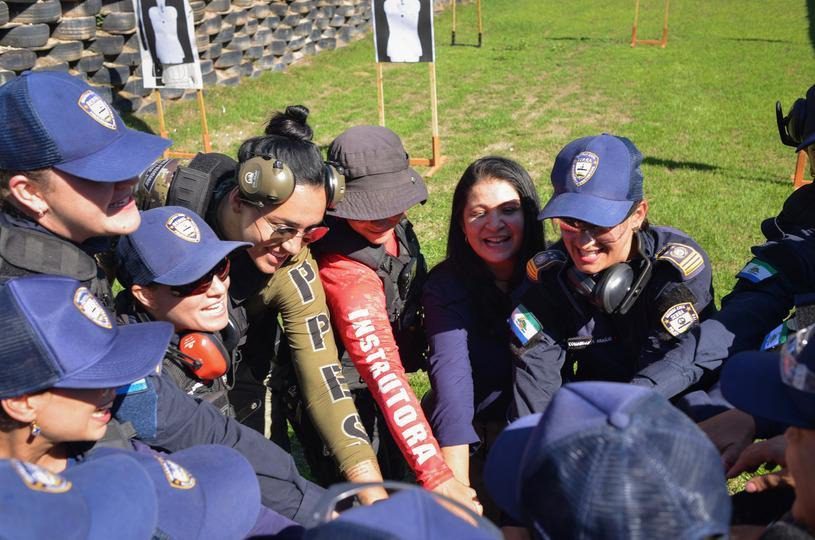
[[685, 258], [678, 318], [524, 324], [777, 337], [544, 260], [756, 271]]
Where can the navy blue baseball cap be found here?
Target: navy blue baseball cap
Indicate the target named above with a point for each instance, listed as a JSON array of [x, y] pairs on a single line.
[[205, 491], [108, 498], [172, 246], [778, 386], [609, 460], [53, 119], [596, 180], [56, 333], [412, 513]]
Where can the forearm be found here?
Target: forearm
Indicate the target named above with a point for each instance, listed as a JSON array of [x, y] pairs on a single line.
[[458, 459], [367, 472]]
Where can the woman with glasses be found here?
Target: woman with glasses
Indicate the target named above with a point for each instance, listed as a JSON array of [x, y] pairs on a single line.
[[615, 294], [175, 269], [493, 231], [275, 198]]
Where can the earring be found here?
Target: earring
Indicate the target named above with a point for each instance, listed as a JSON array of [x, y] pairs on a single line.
[[35, 429]]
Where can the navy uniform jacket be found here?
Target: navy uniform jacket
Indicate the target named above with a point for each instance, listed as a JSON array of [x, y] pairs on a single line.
[[782, 271], [168, 419], [561, 336]]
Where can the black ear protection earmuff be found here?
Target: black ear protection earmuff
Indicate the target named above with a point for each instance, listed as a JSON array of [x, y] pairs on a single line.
[[617, 288], [267, 180], [202, 354], [791, 127], [798, 125]]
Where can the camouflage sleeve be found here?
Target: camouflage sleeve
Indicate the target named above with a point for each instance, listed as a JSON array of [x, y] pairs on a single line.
[[298, 295]]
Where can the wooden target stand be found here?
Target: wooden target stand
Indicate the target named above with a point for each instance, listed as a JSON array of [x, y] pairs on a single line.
[[436, 161], [480, 25], [661, 42], [163, 129], [800, 166]]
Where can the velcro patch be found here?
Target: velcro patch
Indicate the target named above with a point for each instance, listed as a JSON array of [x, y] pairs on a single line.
[[678, 318], [544, 260], [524, 324], [132, 388], [777, 337], [685, 258], [757, 270]]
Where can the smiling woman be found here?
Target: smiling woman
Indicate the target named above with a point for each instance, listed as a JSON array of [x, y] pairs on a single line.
[[616, 294], [493, 231]]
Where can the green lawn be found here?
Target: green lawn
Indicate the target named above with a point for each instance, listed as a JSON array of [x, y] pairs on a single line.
[[701, 110]]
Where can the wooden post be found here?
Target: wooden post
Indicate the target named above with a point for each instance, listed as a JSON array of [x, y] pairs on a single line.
[[436, 160], [663, 42], [480, 25], [162, 129], [453, 34], [204, 126], [800, 165], [380, 93], [636, 19]]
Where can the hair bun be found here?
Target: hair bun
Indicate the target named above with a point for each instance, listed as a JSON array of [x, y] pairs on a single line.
[[291, 123]]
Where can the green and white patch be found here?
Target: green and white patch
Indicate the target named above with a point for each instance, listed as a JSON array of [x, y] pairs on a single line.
[[756, 271]]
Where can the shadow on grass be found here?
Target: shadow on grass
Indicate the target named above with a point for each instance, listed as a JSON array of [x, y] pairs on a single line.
[[672, 164], [760, 40]]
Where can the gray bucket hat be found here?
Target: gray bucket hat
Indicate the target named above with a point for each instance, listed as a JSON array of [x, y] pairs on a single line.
[[379, 182]]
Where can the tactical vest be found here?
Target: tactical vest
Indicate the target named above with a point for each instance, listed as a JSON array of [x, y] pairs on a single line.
[[24, 252], [402, 280]]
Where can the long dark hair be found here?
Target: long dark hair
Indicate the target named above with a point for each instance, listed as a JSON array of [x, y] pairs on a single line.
[[470, 267], [288, 138]]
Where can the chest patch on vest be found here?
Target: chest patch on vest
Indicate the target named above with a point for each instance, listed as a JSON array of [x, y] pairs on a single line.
[[685, 258], [524, 324], [756, 271], [678, 318]]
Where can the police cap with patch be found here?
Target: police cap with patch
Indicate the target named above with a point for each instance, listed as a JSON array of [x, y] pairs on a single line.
[[596, 180], [52, 119], [57, 334], [205, 491], [172, 246], [107, 498]]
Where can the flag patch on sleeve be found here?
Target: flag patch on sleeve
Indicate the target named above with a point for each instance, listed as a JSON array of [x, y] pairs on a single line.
[[524, 324], [756, 271]]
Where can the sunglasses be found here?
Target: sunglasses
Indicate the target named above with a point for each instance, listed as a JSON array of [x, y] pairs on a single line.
[[283, 233], [202, 284], [600, 234]]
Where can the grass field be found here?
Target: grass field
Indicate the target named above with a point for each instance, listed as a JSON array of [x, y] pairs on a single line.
[[701, 110]]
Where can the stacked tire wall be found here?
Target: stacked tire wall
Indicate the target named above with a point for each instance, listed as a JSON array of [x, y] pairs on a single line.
[[97, 40]]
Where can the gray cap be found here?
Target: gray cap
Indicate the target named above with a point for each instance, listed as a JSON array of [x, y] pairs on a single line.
[[379, 182]]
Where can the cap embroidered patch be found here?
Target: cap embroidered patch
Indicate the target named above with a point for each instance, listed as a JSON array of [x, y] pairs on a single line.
[[39, 479], [584, 166], [97, 108], [91, 308], [177, 476], [685, 258], [524, 324], [678, 318], [756, 271], [184, 227]]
